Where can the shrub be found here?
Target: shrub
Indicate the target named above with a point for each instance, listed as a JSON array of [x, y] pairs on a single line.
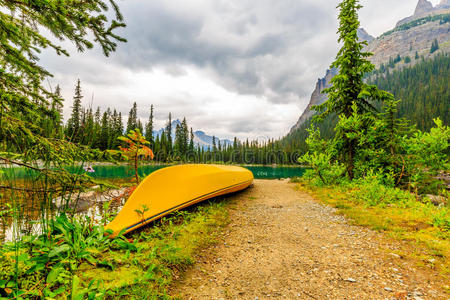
[[374, 190]]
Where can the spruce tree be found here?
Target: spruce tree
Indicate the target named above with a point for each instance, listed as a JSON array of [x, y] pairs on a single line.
[[25, 99], [139, 126], [184, 136], [149, 128], [169, 134], [74, 123], [214, 147], [57, 110], [178, 140], [349, 94], [191, 142], [88, 129], [132, 118], [434, 46], [104, 131]]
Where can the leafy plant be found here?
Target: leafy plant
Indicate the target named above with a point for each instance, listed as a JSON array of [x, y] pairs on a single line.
[[136, 147], [47, 263], [141, 212]]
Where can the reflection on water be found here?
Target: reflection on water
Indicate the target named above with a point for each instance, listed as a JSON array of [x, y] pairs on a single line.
[[123, 171], [260, 172]]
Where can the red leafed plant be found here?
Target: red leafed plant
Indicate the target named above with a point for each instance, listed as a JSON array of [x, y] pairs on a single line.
[[134, 149]]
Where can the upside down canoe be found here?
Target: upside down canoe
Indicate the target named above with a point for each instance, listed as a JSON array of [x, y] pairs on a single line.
[[169, 189]]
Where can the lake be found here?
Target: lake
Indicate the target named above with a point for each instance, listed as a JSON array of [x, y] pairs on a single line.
[[259, 172]]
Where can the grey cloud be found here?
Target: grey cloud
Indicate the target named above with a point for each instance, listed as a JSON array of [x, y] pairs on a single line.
[[240, 59], [273, 49]]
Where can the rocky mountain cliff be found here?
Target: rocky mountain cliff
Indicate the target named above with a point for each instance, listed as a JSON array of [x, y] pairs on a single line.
[[425, 8], [411, 35], [317, 97]]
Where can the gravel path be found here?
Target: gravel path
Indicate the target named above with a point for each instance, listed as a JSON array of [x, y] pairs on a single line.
[[281, 244]]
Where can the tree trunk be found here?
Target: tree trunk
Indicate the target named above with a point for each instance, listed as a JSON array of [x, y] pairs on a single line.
[[136, 168], [351, 161]]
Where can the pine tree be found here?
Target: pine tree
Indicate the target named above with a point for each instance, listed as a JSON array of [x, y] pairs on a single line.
[[88, 129], [139, 126], [132, 122], [105, 131], [178, 140], [74, 123], [57, 109], [149, 128], [349, 94], [434, 46], [169, 134], [116, 130], [185, 136], [214, 147], [191, 142], [25, 99]]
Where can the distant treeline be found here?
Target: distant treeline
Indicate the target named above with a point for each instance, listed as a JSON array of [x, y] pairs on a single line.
[[423, 89], [443, 18], [100, 130]]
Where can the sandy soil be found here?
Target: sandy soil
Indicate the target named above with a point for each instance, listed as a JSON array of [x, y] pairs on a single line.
[[282, 244]]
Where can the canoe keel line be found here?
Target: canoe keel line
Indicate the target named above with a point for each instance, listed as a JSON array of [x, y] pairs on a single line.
[[174, 188]]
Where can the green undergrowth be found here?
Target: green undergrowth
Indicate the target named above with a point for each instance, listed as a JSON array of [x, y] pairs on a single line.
[[395, 212], [76, 260], [164, 250]]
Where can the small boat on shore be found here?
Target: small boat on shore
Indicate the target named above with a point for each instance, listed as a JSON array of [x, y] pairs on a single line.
[[174, 188]]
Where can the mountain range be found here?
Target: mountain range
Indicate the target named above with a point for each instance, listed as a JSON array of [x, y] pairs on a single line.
[[201, 139], [412, 35]]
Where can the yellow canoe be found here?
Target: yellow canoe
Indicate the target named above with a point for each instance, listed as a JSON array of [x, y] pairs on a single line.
[[169, 189]]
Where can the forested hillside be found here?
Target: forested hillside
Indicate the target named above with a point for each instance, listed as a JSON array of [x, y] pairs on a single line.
[[422, 89]]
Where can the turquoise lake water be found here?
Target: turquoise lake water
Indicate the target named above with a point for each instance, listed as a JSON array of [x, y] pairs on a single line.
[[259, 172], [122, 171]]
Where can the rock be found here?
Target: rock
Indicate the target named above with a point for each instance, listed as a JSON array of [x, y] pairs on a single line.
[[316, 98], [423, 7], [437, 200], [364, 36]]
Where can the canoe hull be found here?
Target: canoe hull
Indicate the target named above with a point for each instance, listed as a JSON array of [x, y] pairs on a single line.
[[174, 188]]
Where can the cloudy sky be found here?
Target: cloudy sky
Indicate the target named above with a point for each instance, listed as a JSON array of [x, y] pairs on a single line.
[[242, 68]]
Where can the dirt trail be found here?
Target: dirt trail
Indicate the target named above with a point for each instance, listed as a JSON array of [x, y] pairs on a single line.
[[282, 244]]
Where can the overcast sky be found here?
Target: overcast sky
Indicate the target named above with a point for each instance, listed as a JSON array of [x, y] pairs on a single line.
[[242, 68]]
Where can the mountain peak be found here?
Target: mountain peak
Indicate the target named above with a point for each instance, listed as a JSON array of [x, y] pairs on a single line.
[[444, 4], [424, 6], [364, 36]]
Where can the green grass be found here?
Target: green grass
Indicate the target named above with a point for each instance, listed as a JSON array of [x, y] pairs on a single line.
[[165, 250], [88, 265]]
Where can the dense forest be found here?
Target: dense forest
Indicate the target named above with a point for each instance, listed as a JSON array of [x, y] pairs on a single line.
[[422, 89]]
